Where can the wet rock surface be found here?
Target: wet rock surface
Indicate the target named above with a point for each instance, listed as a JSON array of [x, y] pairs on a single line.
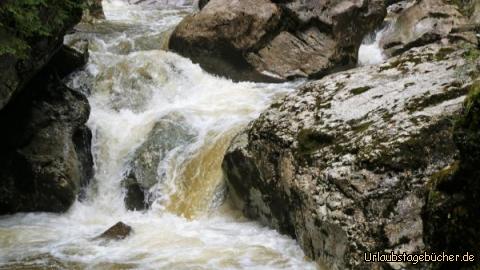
[[343, 163], [276, 40], [166, 135], [45, 156], [118, 231], [45, 148]]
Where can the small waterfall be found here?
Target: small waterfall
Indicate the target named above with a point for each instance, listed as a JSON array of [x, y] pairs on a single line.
[[370, 52], [153, 113]]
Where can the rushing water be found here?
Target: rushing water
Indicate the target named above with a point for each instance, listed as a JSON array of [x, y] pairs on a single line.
[[133, 83], [370, 52]]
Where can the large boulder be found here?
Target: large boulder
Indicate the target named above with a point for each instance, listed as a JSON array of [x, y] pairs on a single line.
[[342, 164], [45, 148], [276, 40], [424, 22], [45, 156]]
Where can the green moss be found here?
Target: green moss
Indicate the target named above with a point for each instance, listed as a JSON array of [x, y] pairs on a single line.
[[401, 63], [362, 127], [443, 176], [466, 7], [310, 140], [433, 100], [471, 53], [471, 117], [360, 90], [24, 21], [443, 53]]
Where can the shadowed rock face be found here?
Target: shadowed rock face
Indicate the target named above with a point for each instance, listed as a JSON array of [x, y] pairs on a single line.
[[45, 156], [202, 3], [45, 148], [276, 40], [452, 208], [16, 71], [342, 164]]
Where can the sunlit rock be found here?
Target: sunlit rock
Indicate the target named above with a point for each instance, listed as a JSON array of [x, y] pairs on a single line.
[[272, 41], [342, 164]]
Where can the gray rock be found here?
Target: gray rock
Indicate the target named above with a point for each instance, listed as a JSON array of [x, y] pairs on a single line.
[[168, 134], [424, 22], [272, 41], [342, 163]]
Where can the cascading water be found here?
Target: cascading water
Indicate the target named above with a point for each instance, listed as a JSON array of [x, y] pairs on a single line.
[[133, 85], [370, 52]]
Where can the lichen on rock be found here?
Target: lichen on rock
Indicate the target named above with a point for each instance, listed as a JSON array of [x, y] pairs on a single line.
[[342, 164]]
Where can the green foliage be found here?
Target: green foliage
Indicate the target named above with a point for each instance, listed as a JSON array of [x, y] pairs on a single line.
[[27, 20], [472, 117], [466, 7], [471, 53]]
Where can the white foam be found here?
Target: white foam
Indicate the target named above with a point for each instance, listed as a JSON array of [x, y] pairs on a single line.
[[131, 91], [370, 52]]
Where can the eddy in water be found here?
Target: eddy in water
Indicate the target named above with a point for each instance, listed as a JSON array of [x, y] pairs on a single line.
[[161, 126]]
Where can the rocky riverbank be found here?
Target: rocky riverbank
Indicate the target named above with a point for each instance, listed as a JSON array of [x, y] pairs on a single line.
[[366, 160], [276, 40], [45, 146]]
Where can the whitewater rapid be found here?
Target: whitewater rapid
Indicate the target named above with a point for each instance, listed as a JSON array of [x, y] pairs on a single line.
[[132, 82]]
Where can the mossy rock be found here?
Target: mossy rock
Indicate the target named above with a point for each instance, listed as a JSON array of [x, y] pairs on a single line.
[[22, 23], [310, 140]]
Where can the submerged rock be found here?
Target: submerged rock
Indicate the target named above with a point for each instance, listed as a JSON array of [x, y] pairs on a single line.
[[272, 40], [118, 231], [342, 164], [169, 133]]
